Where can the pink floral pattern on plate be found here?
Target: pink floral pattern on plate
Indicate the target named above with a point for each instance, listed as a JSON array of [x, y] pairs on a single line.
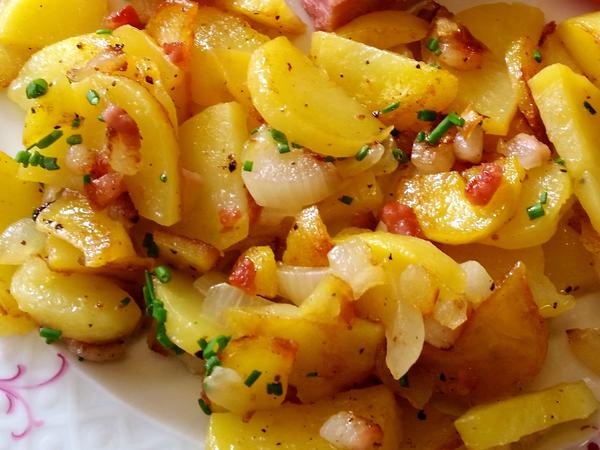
[[11, 388]]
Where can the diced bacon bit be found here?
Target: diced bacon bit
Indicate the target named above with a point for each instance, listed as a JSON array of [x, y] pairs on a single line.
[[481, 188], [243, 275], [400, 219], [125, 16], [123, 209], [229, 217], [119, 122], [176, 51], [101, 165], [328, 15], [104, 190], [348, 431]]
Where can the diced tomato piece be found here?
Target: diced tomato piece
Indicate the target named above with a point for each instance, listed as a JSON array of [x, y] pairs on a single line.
[[481, 188], [400, 219], [243, 275], [125, 16]]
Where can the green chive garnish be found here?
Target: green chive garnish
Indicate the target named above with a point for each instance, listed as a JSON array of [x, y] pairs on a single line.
[[400, 155], [455, 119], [163, 339], [420, 136], [560, 161], [74, 139], [254, 131], [443, 127], [104, 31], [163, 273], [426, 115], [535, 211], [254, 375], [281, 140], [163, 177], [537, 55], [211, 363], [159, 313], [202, 343], [50, 334], [36, 159], [36, 88], [346, 199], [362, 153], [391, 107], [587, 105], [76, 123], [215, 346], [23, 157], [92, 97], [404, 381], [49, 163], [150, 246], [544, 198], [125, 301], [248, 165], [205, 407], [294, 145], [48, 140], [275, 389], [433, 45], [87, 178]]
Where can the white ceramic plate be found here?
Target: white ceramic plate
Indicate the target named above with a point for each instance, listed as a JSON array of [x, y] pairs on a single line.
[[164, 392]]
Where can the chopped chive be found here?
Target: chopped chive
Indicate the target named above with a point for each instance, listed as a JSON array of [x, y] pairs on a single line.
[[420, 136], [159, 313], [537, 55], [36, 88], [404, 381], [50, 334], [150, 246], [215, 346], [125, 301], [400, 155], [163, 339], [294, 145], [92, 97], [100, 118], [312, 374], [435, 65], [535, 211], [104, 31], [211, 363], [48, 140], [443, 127], [455, 119], [426, 115], [74, 139], [49, 163], [391, 107], [150, 287], [163, 177], [202, 343], [254, 375], [248, 165], [205, 407], [544, 197], [76, 123], [254, 131], [587, 105], [275, 389], [560, 161], [23, 157], [346, 199], [362, 153], [281, 139], [283, 148], [35, 159], [163, 273], [433, 45]]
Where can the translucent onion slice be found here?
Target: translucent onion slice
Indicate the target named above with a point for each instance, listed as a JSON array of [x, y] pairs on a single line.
[[285, 181], [479, 283], [351, 261], [438, 335], [223, 296], [405, 337], [20, 241], [208, 280], [451, 312], [347, 431], [225, 388], [297, 283]]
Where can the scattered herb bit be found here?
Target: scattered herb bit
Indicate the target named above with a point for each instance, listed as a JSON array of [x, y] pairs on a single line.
[[537, 55], [202, 343], [435, 65], [159, 313], [275, 389], [404, 381], [346, 199], [455, 119], [205, 407], [163, 339], [76, 123], [560, 161], [163, 177], [587, 105], [215, 346], [163, 273], [104, 31], [443, 127], [48, 140], [211, 363], [544, 198], [93, 98], [150, 246], [312, 374], [36, 88], [50, 334], [35, 159], [391, 107], [23, 157], [281, 139], [433, 45], [100, 118], [125, 301], [254, 375], [535, 211], [426, 115], [400, 155], [254, 131], [74, 139], [362, 153], [295, 145], [420, 136], [248, 165]]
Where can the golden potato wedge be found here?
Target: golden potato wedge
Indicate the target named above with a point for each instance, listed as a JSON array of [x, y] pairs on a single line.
[[566, 102], [12, 58], [256, 272], [554, 51], [287, 89], [330, 301], [308, 241], [86, 308], [294, 427], [185, 253], [524, 415], [501, 348], [580, 37], [585, 344], [275, 14], [215, 204], [447, 216], [385, 29], [379, 79], [37, 23], [174, 22]]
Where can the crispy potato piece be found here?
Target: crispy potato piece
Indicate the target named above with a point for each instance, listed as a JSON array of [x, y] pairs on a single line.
[[585, 344], [37, 23], [86, 308], [378, 79], [308, 241], [501, 348], [174, 22], [580, 37], [447, 216], [275, 14], [297, 426], [185, 253], [259, 263], [288, 91]]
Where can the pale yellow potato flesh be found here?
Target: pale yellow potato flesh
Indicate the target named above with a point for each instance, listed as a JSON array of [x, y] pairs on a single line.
[[580, 36], [585, 344]]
